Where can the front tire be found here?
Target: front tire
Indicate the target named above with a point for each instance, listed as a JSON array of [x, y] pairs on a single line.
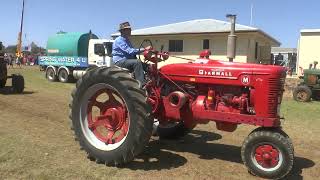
[[268, 153], [302, 93], [125, 112]]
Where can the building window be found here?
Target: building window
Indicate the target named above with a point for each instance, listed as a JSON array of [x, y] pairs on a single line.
[[175, 45], [206, 44]]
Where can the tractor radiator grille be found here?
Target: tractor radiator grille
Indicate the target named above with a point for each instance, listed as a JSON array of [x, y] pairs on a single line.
[[276, 88]]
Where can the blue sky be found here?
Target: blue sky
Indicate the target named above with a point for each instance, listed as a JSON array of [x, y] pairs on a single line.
[[281, 19]]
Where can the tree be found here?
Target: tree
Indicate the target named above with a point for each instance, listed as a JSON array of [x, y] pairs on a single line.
[[35, 49], [11, 49]]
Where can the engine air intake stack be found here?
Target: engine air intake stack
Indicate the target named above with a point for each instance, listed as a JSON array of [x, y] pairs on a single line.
[[232, 38]]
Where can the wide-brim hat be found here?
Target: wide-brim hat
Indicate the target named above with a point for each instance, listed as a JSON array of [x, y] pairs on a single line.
[[124, 25]]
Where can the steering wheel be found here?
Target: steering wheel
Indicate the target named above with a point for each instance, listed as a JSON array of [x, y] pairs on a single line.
[[142, 46]]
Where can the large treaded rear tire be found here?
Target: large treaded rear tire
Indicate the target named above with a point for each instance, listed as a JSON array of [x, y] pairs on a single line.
[[268, 137], [140, 119]]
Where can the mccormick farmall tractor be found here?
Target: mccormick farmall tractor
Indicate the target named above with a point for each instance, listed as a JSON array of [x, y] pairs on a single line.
[[17, 80], [310, 87], [113, 117]]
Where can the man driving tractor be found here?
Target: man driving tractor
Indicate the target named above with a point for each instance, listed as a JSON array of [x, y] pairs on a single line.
[[124, 55]]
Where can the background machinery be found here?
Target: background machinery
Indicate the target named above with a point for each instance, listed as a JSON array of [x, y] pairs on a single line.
[[17, 79], [310, 87]]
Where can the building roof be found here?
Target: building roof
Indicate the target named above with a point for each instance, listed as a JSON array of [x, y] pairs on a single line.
[[309, 30], [195, 27]]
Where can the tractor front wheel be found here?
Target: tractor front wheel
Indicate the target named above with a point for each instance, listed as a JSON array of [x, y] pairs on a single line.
[[302, 93], [110, 116], [268, 153]]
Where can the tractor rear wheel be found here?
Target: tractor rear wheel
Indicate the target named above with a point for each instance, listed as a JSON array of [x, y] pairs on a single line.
[[302, 93], [172, 130], [17, 83], [110, 116], [268, 153]]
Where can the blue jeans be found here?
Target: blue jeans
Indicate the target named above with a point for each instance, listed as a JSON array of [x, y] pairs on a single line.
[[135, 66]]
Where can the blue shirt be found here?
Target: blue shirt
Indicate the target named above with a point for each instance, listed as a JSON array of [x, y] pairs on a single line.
[[122, 49]]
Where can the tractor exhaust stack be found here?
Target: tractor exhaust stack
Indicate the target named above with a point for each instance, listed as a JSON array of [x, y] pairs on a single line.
[[232, 38]]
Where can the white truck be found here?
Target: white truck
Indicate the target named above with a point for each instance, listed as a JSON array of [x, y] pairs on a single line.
[[70, 55]]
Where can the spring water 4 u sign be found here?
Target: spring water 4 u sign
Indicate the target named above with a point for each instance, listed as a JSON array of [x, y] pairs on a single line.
[[74, 61]]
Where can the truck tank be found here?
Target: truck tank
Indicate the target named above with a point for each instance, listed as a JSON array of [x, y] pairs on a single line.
[[69, 44]]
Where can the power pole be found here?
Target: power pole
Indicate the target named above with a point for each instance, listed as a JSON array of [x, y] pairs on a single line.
[[251, 15], [19, 45]]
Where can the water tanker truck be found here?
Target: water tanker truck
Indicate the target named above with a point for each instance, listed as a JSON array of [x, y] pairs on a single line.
[[72, 54]]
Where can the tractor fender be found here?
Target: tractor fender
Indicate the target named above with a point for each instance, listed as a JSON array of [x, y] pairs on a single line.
[[63, 67]]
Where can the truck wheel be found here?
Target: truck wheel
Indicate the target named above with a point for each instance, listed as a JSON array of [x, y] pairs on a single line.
[[17, 83], [51, 75], [63, 76], [3, 82], [268, 153], [110, 116], [172, 130], [302, 93]]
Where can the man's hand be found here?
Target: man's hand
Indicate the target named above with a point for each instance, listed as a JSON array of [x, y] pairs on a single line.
[[148, 48]]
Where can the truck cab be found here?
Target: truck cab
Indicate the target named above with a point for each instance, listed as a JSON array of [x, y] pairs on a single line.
[[95, 57]]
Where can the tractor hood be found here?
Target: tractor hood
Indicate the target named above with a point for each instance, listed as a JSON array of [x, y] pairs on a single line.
[[220, 69]]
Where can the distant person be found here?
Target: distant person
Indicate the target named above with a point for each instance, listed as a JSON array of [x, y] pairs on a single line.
[[18, 61], [124, 55], [10, 61]]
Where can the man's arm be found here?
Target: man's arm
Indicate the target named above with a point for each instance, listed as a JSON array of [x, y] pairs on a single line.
[[127, 49]]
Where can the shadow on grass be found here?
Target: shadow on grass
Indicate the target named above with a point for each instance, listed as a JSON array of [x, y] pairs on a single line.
[[163, 154], [8, 90], [160, 153], [299, 164]]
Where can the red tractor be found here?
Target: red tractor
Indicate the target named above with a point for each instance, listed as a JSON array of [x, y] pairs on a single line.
[[113, 118]]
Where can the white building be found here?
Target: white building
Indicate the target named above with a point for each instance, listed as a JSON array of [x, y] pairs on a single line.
[[187, 39]]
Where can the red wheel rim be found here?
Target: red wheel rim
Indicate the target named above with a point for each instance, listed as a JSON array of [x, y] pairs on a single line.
[[112, 123], [267, 156]]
